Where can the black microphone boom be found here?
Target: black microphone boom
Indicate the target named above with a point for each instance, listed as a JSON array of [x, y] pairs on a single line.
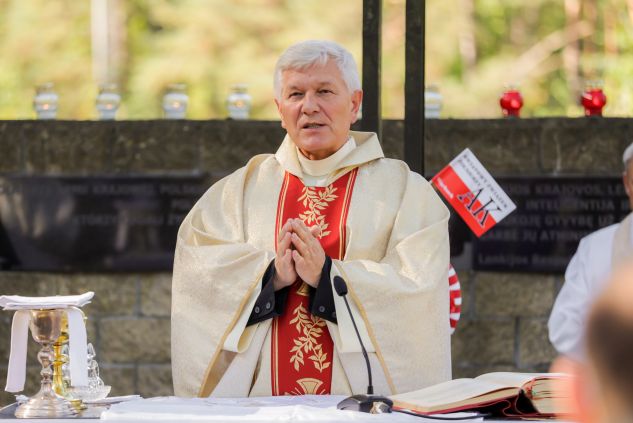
[[340, 287], [369, 403]]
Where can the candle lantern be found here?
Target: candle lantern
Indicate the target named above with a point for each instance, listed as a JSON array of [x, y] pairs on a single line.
[[108, 101], [45, 101], [593, 98], [511, 102], [432, 102], [239, 101], [175, 101]]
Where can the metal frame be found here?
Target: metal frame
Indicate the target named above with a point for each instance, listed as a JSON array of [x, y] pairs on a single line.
[[414, 77], [372, 22], [414, 86]]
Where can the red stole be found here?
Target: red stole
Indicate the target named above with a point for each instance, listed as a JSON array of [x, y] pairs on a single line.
[[301, 345]]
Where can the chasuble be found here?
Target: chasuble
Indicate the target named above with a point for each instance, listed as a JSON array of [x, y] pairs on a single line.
[[385, 231]]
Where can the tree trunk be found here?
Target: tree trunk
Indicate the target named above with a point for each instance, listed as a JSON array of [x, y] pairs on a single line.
[[610, 19], [571, 51], [467, 44]]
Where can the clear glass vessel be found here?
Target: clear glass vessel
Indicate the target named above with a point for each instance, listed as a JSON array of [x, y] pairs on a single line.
[[175, 101], [45, 101], [238, 103], [108, 101], [432, 102]]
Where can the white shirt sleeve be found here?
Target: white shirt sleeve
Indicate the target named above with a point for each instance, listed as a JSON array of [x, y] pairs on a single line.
[[566, 322], [585, 276]]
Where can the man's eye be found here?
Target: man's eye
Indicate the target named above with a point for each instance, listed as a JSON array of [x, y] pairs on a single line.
[[294, 94], [325, 91]]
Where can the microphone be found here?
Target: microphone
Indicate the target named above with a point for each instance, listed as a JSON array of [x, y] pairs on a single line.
[[368, 403]]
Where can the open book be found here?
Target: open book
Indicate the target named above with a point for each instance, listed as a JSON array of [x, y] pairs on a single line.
[[503, 393]]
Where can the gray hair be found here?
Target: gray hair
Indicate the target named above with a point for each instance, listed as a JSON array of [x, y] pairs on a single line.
[[317, 52]]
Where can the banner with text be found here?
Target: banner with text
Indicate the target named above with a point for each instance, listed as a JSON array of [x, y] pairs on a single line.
[[473, 192]]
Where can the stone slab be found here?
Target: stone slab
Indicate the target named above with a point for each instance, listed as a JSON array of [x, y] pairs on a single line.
[[534, 346], [132, 340], [584, 145], [474, 371], [156, 294], [10, 159], [78, 147], [122, 379], [154, 146], [228, 145], [484, 342], [513, 294], [504, 146], [155, 381], [115, 294]]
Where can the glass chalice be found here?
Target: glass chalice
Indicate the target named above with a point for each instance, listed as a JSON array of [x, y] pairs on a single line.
[[46, 328]]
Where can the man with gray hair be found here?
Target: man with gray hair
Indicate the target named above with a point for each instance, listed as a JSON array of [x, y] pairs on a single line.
[[253, 309], [586, 275]]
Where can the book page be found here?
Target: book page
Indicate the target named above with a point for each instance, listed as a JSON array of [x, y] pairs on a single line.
[[510, 379], [454, 393]]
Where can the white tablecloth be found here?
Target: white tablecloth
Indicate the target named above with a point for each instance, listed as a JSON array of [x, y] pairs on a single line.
[[264, 409], [309, 408]]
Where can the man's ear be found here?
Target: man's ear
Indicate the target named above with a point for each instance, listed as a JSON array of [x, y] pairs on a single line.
[[357, 100], [283, 124]]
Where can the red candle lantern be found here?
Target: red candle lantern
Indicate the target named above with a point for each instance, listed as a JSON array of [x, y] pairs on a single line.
[[593, 99], [511, 102]]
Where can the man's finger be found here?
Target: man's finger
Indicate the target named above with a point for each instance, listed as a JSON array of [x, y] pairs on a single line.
[[302, 230], [299, 244], [285, 229], [296, 257], [315, 231], [286, 259], [284, 243]]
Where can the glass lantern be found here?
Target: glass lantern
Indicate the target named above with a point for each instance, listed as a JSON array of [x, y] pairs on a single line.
[[432, 102], [593, 98], [511, 102], [108, 101], [239, 102], [175, 101], [45, 101]]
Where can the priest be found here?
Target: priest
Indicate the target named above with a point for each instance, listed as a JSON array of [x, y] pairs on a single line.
[[253, 308], [588, 272]]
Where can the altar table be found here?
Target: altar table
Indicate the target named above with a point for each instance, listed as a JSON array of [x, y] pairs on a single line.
[[309, 408]]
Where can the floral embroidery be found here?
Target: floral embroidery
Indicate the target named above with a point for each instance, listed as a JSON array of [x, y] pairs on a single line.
[[316, 201], [308, 386], [311, 328]]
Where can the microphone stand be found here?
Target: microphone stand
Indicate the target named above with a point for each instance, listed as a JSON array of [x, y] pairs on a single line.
[[377, 404], [366, 403]]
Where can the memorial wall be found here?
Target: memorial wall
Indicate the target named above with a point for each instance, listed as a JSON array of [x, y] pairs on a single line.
[[96, 206]]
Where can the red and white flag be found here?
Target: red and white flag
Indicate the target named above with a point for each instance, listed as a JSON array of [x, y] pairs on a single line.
[[473, 193], [455, 296]]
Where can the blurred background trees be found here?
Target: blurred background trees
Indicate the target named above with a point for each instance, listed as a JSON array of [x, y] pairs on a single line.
[[474, 47]]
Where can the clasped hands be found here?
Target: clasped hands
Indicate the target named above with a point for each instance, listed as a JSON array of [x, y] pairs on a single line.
[[299, 253]]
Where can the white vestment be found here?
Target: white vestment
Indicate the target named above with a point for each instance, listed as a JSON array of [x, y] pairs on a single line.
[[585, 277], [395, 265]]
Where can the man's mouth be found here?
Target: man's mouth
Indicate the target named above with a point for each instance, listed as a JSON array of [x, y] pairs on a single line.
[[312, 125]]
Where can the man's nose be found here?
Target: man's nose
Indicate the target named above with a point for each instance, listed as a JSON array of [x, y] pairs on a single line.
[[310, 104]]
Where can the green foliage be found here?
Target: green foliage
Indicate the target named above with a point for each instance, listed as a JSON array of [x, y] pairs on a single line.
[[473, 47]]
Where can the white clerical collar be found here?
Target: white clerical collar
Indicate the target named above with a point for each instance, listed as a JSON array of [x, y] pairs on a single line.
[[328, 165]]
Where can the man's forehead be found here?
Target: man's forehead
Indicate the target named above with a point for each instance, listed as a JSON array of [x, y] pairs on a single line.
[[315, 74]]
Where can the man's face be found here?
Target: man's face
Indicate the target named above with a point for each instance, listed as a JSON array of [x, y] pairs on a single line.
[[317, 109], [627, 178]]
